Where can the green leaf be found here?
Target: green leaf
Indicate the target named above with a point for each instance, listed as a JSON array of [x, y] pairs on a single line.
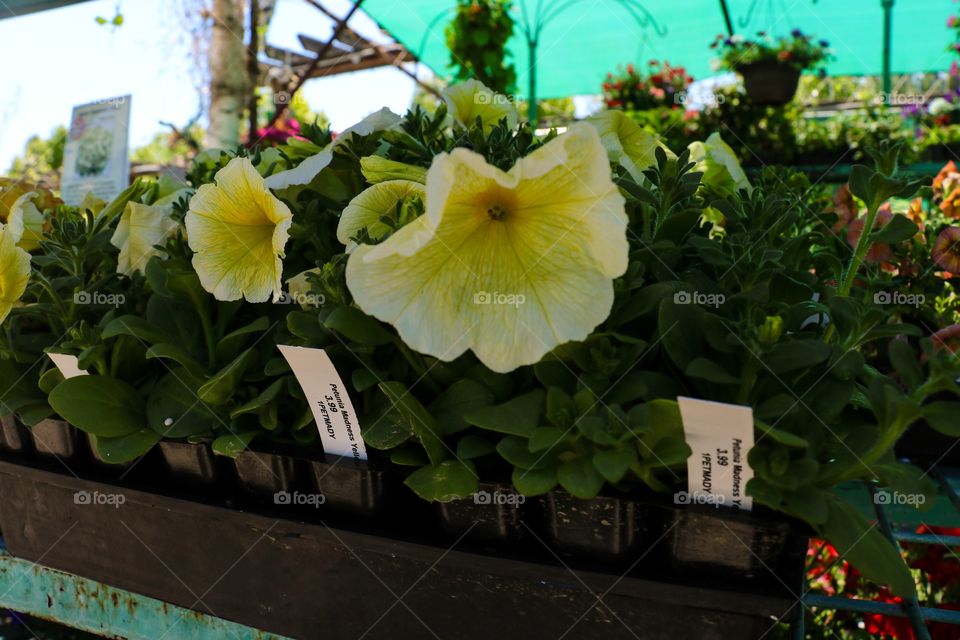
[[267, 396], [863, 545], [667, 452], [942, 416], [471, 446], [390, 430], [534, 482], [134, 326], [614, 463], [580, 478], [420, 420], [167, 351], [233, 444], [708, 370], [544, 438], [516, 451], [449, 480], [781, 436], [909, 480], [459, 399], [899, 229], [905, 362], [409, 456], [561, 411], [221, 387], [173, 409], [99, 405], [796, 354], [128, 447], [50, 379], [355, 325], [231, 344], [518, 416]]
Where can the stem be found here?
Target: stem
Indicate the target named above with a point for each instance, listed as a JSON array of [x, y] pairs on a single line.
[[208, 337], [416, 362], [863, 245]]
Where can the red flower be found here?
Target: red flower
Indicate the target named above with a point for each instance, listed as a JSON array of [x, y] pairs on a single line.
[[880, 251], [844, 206], [947, 338]]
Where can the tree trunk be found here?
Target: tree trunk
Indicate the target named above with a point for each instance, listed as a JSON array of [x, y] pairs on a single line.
[[228, 74]]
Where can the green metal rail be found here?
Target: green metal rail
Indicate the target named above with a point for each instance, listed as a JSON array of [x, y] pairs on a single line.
[[98, 608], [898, 525]]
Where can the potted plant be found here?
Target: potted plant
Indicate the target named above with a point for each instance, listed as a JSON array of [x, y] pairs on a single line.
[[663, 85], [771, 67], [503, 307]]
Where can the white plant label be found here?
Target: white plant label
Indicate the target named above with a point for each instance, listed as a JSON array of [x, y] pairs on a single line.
[[68, 365], [720, 436], [329, 401]]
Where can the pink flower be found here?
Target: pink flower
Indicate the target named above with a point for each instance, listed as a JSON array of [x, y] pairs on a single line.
[[946, 250]]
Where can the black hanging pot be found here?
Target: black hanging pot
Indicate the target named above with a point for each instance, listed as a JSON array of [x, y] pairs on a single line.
[[770, 83]]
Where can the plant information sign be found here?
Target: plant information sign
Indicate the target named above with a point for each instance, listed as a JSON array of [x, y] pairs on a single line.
[[720, 436], [95, 157], [329, 400]]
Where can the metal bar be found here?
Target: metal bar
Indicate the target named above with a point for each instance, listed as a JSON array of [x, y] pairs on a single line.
[[887, 38], [532, 93], [308, 72], [726, 16], [95, 607], [883, 608], [910, 604], [944, 481]]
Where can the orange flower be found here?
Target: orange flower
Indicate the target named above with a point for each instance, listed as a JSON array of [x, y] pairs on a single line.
[[951, 204], [844, 206], [946, 249], [949, 170], [880, 251]]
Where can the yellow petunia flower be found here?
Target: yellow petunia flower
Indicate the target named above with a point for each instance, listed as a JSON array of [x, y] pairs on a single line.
[[141, 228], [718, 163], [627, 143], [466, 101], [14, 266], [238, 230], [30, 220], [388, 199], [310, 168], [507, 264]]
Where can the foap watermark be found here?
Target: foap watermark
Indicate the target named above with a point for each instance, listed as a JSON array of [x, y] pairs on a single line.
[[484, 97], [698, 497], [295, 498], [97, 297], [301, 298], [283, 98], [899, 298], [499, 498], [897, 498], [899, 99], [115, 500], [116, 102], [703, 99], [497, 297], [695, 297]]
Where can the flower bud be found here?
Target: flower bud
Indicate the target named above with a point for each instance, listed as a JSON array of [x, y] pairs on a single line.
[[376, 169]]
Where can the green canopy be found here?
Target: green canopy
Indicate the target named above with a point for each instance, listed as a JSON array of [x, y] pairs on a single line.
[[582, 40]]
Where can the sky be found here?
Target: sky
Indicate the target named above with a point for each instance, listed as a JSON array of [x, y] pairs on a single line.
[[56, 59]]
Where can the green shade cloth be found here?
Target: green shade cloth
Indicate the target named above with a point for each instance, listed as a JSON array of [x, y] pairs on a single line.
[[588, 38]]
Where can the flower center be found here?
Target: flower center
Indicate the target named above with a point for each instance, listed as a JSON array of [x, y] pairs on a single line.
[[496, 211]]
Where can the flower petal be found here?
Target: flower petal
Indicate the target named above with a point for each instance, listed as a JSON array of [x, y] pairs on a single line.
[[238, 230], [306, 171], [626, 142], [365, 211], [14, 271], [468, 100], [510, 288], [141, 227]]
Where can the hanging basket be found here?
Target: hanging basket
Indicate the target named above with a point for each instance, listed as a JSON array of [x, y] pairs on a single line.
[[770, 83]]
